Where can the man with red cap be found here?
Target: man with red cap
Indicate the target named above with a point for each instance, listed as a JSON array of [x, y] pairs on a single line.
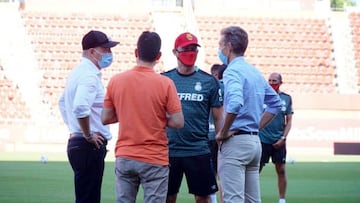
[[80, 106], [199, 93]]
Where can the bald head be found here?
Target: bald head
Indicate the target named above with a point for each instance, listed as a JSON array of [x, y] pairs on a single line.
[[275, 78]]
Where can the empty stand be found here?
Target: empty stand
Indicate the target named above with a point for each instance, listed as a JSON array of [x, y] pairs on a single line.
[[56, 40], [12, 107], [299, 48], [355, 27]]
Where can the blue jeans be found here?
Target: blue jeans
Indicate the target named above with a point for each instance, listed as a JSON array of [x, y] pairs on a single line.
[[88, 165]]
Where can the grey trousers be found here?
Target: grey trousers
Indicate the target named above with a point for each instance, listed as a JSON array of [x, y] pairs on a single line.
[[238, 169], [130, 174]]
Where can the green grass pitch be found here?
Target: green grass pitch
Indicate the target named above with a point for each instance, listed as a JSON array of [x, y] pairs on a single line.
[[24, 179], [320, 182]]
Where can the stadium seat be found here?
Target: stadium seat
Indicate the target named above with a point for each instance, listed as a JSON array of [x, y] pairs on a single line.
[[13, 107], [292, 46], [56, 41]]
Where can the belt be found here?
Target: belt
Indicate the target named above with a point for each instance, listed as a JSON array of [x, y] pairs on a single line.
[[78, 135], [243, 132]]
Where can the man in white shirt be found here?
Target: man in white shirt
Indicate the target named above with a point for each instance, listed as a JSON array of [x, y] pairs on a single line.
[[80, 105]]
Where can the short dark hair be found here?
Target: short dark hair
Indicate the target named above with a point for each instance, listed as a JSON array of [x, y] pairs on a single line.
[[237, 37], [219, 68], [148, 46]]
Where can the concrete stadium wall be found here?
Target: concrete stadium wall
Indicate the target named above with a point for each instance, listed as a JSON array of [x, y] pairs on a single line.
[[350, 102]]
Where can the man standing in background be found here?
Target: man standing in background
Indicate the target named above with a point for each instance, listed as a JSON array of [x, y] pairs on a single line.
[[273, 136], [217, 71]]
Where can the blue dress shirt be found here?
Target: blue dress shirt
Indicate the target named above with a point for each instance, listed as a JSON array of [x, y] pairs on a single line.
[[246, 92]]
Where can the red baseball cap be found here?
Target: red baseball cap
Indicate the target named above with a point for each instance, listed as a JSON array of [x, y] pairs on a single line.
[[185, 39]]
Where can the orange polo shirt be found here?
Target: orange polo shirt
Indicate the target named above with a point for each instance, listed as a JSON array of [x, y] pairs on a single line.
[[141, 98]]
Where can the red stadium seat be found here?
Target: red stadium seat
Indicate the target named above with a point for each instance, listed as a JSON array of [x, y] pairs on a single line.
[[56, 41], [291, 46]]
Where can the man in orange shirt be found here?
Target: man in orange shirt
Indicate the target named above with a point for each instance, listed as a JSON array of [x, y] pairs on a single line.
[[144, 103]]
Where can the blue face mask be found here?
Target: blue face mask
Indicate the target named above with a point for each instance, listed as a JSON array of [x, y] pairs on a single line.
[[106, 60], [224, 59]]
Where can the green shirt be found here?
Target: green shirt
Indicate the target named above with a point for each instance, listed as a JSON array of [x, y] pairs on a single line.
[[211, 119], [198, 93], [275, 129]]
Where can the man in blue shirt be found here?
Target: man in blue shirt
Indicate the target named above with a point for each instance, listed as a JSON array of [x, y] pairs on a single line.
[[273, 136], [246, 92], [189, 152]]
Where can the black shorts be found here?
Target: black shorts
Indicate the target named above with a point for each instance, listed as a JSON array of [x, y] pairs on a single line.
[[278, 156], [214, 153], [200, 176]]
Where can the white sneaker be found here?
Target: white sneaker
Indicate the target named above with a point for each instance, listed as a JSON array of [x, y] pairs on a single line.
[[213, 198], [282, 201]]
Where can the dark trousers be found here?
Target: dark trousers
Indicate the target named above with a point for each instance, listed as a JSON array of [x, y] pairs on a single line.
[[88, 165]]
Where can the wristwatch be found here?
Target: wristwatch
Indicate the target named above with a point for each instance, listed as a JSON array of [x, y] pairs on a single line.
[[88, 137], [283, 138]]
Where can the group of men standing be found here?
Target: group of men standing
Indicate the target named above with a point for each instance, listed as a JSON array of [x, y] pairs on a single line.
[[164, 122]]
